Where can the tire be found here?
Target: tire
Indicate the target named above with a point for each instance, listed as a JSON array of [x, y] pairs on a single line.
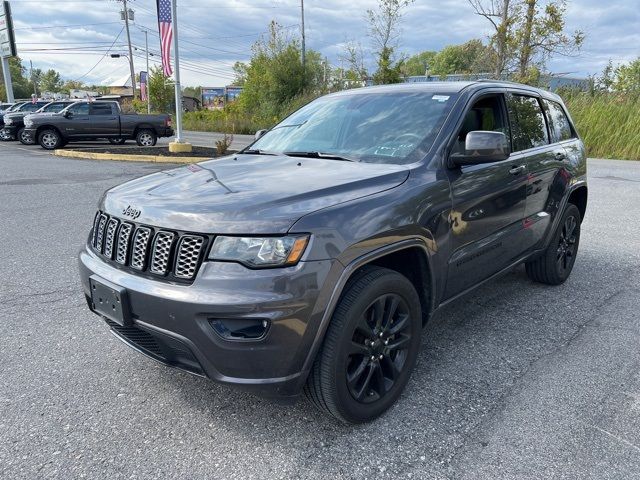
[[50, 139], [117, 141], [25, 139], [366, 359], [146, 138], [4, 136], [554, 266]]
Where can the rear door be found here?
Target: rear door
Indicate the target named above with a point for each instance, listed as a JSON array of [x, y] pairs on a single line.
[[105, 121], [532, 143], [488, 203]]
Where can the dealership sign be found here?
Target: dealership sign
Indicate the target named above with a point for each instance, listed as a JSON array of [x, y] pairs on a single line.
[[7, 40]]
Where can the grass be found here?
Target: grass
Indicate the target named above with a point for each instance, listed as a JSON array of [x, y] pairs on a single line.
[[609, 124]]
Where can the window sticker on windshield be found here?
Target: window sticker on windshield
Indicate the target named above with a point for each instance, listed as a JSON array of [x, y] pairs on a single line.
[[440, 98]]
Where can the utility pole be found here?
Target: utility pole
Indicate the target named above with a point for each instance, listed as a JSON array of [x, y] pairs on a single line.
[[146, 47], [304, 53], [133, 71], [35, 89]]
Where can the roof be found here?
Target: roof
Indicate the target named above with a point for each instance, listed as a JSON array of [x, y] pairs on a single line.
[[122, 82], [449, 87]]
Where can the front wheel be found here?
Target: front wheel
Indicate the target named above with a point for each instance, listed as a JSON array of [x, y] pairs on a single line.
[[50, 139], [25, 138], [554, 266], [370, 348], [146, 138], [5, 136]]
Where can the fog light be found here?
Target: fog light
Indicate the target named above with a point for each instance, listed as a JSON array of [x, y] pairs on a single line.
[[240, 328]]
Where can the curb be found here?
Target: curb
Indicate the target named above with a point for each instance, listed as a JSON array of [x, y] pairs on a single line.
[[126, 158]]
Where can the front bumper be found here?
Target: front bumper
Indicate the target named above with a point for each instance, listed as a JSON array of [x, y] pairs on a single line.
[[172, 322]]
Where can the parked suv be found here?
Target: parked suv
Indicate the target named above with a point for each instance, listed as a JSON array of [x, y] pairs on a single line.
[[311, 260]]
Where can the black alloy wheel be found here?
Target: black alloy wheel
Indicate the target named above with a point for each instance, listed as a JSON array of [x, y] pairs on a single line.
[[555, 264], [380, 345], [369, 349]]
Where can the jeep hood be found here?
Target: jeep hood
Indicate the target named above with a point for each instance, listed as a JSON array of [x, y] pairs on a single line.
[[250, 194]]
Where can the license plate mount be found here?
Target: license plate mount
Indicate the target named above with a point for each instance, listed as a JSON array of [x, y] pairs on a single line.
[[110, 300]]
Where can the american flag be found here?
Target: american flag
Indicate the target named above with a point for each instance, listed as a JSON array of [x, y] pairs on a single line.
[[144, 78], [166, 34]]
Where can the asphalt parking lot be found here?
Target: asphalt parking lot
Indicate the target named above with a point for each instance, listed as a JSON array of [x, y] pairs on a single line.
[[516, 380]]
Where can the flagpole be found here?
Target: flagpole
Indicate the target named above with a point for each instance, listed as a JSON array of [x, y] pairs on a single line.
[[174, 17]]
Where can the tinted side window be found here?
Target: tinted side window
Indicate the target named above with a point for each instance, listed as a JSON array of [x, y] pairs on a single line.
[[101, 109], [80, 109], [558, 121], [528, 127]]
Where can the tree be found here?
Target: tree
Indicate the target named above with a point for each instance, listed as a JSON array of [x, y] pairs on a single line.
[[467, 58], [540, 34], [353, 56], [275, 76], [502, 14], [627, 78], [526, 36], [384, 31], [195, 92], [419, 64], [50, 81], [22, 87], [161, 91]]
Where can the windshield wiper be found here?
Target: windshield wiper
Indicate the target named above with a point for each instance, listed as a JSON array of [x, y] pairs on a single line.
[[256, 151], [328, 156]]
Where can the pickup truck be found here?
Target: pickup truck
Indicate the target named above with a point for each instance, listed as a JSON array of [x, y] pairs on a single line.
[[85, 120], [12, 120]]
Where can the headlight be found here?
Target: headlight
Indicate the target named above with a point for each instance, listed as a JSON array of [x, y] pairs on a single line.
[[260, 252], [8, 121], [28, 123]]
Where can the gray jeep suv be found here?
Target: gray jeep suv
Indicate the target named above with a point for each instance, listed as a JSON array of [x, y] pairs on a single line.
[[311, 260]]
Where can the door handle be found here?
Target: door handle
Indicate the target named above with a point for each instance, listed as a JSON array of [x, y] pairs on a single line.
[[517, 170], [560, 156]]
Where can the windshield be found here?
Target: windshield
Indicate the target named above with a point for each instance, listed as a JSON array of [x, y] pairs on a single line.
[[53, 108], [393, 127]]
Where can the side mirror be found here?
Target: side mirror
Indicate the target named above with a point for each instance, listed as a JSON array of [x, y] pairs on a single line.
[[260, 133], [483, 147]]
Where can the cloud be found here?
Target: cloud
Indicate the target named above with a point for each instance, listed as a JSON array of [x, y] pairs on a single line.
[[216, 34]]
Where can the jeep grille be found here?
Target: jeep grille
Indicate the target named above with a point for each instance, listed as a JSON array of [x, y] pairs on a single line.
[[158, 253]]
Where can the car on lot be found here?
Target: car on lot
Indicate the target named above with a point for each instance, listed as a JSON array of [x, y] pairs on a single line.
[[16, 130], [13, 120], [93, 120], [311, 260], [4, 107]]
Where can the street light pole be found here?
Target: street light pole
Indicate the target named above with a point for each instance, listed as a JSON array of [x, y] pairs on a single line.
[[133, 71]]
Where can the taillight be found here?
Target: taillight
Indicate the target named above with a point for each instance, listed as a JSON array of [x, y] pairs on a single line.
[[168, 122]]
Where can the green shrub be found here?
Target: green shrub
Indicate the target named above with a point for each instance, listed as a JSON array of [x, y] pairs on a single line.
[[608, 123]]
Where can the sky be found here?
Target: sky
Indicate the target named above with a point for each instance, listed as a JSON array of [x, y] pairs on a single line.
[[76, 37]]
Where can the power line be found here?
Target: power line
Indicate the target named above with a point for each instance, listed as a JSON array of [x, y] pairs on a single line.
[[105, 55]]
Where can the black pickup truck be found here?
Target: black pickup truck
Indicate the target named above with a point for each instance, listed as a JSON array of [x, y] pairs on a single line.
[[82, 121]]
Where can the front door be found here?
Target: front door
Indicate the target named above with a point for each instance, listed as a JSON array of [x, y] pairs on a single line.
[[488, 204], [76, 124]]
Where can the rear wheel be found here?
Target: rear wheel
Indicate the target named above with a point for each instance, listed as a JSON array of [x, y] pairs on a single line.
[[370, 348], [25, 138], [117, 141], [554, 266], [50, 139], [146, 138]]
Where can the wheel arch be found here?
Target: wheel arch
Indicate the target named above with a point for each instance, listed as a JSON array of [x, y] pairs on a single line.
[[398, 257], [144, 126], [41, 128], [579, 198]]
